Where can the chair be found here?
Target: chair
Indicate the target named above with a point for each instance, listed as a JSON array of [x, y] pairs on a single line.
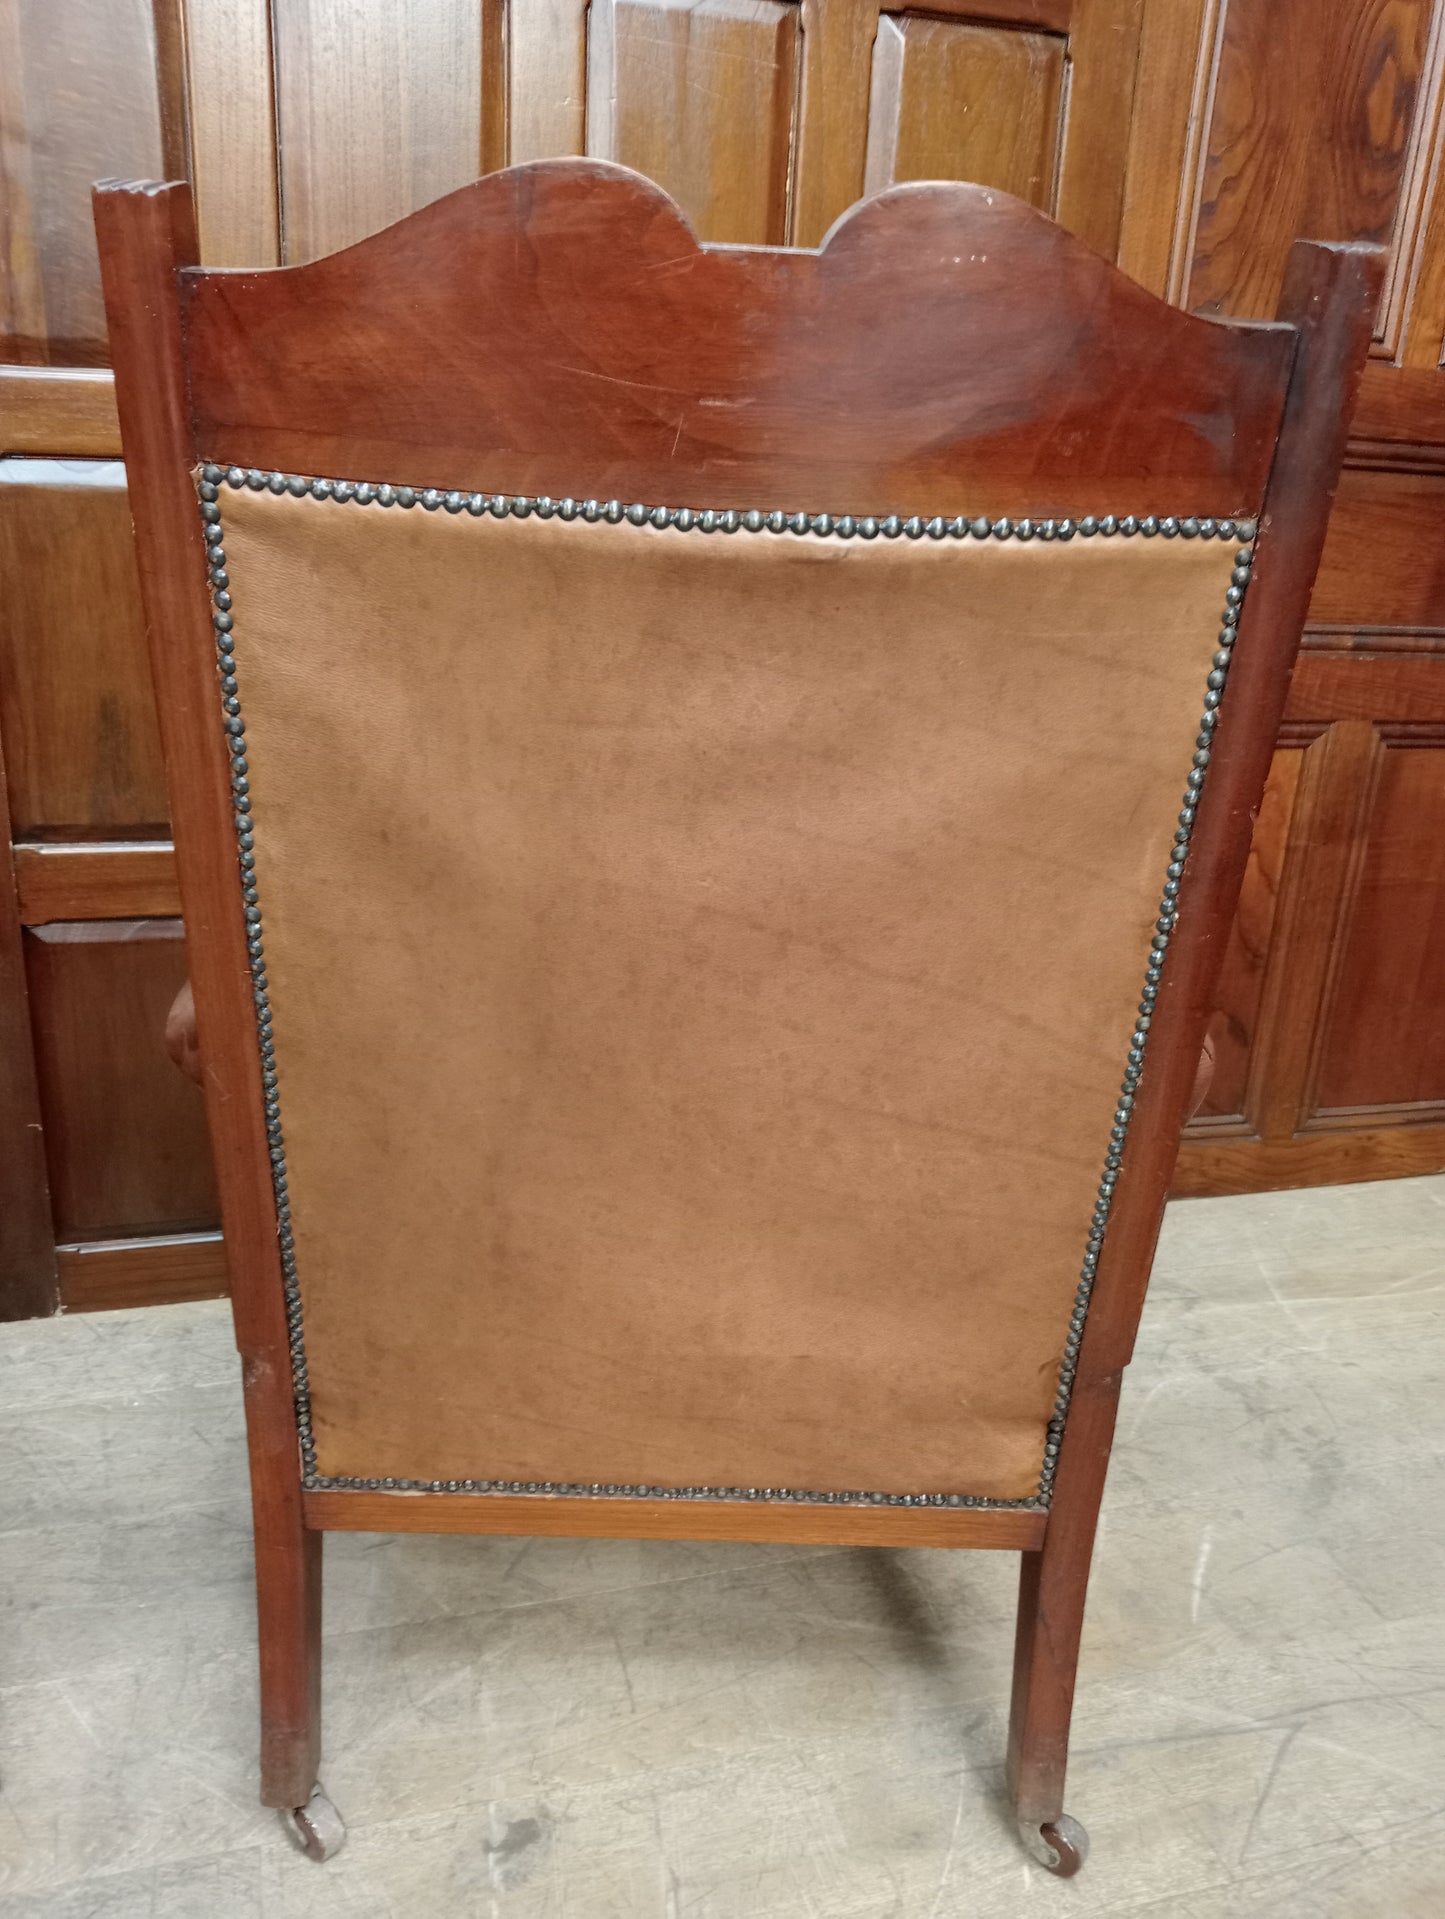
[[707, 813]]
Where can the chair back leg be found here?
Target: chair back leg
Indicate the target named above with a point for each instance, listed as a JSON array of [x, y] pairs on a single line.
[[1053, 1584], [288, 1617]]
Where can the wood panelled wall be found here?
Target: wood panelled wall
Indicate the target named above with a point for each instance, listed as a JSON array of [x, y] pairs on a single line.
[[1191, 139]]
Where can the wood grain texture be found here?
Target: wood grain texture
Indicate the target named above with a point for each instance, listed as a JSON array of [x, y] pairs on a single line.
[[58, 410], [1173, 101], [111, 1275], [1412, 313], [833, 110], [546, 104], [232, 116], [1331, 809], [798, 1525], [953, 100], [625, 360], [1053, 1585], [1103, 62], [1239, 992], [76, 707], [124, 1135], [1403, 407], [22, 289], [702, 99], [1384, 559], [147, 234], [1044, 16], [1381, 1038], [1207, 1167], [81, 99], [1405, 687], [1309, 135], [100, 880], [378, 111], [28, 1279]]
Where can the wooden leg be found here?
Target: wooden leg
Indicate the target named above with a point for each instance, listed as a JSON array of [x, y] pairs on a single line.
[[288, 1614], [1053, 1583]]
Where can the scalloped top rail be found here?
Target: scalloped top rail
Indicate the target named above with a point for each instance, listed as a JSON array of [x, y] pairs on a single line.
[[558, 329]]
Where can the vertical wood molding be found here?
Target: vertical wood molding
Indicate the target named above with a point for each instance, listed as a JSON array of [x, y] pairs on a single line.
[[704, 101], [1330, 819], [1168, 140], [231, 108], [494, 88], [22, 288], [1414, 320], [599, 83], [29, 1277], [378, 112], [832, 122], [172, 91], [1104, 42], [546, 78]]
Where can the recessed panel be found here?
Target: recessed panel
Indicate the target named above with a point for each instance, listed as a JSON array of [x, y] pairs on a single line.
[[703, 99], [78, 103], [77, 713], [1384, 560], [378, 111], [1239, 992], [125, 1133], [952, 100], [1383, 1038]]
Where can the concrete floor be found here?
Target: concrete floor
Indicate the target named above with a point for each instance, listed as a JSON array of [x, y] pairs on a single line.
[[548, 1729]]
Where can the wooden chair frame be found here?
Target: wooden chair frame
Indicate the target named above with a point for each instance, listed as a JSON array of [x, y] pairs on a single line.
[[298, 370]]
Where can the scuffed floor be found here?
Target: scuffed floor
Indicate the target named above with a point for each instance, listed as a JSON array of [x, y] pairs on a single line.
[[533, 1730]]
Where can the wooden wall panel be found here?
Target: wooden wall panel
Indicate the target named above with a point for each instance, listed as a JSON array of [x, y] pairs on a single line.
[[1384, 558], [1173, 101], [1309, 133], [1326, 117], [704, 99], [1240, 993], [546, 79], [79, 98], [77, 714], [378, 110], [955, 100], [232, 123], [1104, 42], [28, 1276], [125, 1136], [1382, 1031]]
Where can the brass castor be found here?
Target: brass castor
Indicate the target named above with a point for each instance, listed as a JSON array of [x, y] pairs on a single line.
[[316, 1828], [1059, 1845]]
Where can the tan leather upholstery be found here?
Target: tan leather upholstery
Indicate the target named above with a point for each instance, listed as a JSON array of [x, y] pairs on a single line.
[[702, 971]]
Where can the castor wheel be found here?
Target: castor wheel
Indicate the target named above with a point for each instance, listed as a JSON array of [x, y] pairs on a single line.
[[316, 1828], [1059, 1845]]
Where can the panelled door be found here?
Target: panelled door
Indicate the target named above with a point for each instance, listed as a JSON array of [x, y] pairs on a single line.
[[313, 122]]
